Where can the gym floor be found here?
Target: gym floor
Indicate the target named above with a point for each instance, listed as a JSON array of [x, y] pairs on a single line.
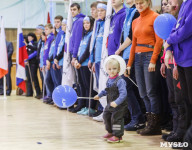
[[29, 124]]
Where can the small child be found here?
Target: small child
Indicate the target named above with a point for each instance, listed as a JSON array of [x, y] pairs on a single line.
[[116, 102]]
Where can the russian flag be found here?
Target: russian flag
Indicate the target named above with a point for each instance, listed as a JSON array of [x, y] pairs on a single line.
[[21, 55], [3, 52]]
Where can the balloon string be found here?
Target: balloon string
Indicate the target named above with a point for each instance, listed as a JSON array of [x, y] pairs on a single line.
[[85, 97]]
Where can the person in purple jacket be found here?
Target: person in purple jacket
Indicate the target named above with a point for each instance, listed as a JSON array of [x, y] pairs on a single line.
[[180, 43], [47, 45], [76, 31], [116, 26], [57, 76]]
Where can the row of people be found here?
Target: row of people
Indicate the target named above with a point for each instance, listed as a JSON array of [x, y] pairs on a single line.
[[131, 36]]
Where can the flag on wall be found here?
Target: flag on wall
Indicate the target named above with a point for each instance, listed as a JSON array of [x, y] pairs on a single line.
[[3, 52], [21, 55]]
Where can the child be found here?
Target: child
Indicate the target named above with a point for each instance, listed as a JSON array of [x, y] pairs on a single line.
[[82, 64], [116, 102]]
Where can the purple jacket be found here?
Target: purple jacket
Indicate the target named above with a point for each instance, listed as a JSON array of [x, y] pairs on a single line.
[[115, 31], [181, 36], [76, 35], [47, 47]]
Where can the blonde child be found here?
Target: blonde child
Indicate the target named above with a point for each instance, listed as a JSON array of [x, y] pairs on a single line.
[[116, 102]]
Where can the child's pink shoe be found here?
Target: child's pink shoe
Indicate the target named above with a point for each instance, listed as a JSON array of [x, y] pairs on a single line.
[[108, 135], [114, 139]]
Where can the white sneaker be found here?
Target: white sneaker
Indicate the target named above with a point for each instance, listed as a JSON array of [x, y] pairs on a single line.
[[99, 118]]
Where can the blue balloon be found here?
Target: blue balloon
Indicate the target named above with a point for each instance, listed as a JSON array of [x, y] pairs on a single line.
[[164, 24], [64, 96]]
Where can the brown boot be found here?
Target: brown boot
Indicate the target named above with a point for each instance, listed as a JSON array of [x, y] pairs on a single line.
[[154, 128], [148, 116]]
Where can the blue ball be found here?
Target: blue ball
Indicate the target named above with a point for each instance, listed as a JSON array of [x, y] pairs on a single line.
[[64, 96], [164, 24]]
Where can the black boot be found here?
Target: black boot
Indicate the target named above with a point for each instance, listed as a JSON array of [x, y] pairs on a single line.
[[148, 118], [175, 138], [154, 128], [175, 122], [165, 136]]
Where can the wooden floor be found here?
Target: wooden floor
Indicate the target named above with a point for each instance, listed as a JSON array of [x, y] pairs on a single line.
[[28, 124]]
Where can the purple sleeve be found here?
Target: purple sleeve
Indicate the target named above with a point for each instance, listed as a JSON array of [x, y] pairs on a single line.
[[78, 37], [183, 32], [102, 93], [46, 52], [121, 84]]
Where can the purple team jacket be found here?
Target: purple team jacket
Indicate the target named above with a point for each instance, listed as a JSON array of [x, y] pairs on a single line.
[[76, 34], [115, 31], [181, 36], [47, 47]]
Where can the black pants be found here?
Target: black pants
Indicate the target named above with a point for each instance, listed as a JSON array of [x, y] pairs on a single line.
[[113, 119], [177, 103], [8, 82], [188, 138], [33, 68], [85, 78], [185, 74]]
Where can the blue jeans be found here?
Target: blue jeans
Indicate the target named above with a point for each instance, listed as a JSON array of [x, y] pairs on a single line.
[[49, 82], [57, 76], [147, 81], [133, 104]]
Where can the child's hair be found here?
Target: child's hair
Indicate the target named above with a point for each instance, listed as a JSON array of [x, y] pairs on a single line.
[[59, 17], [49, 25], [94, 4], [32, 35], [77, 5], [113, 61]]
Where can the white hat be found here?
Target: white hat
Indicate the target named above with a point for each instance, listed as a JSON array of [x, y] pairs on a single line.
[[120, 60]]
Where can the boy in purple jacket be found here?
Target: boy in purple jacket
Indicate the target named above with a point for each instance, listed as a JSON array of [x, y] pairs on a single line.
[[116, 26], [180, 43], [76, 31], [57, 76]]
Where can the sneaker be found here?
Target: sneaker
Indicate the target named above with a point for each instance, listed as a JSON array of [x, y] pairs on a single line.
[[96, 113], [107, 136], [114, 139], [81, 111], [86, 112], [132, 126], [99, 118]]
